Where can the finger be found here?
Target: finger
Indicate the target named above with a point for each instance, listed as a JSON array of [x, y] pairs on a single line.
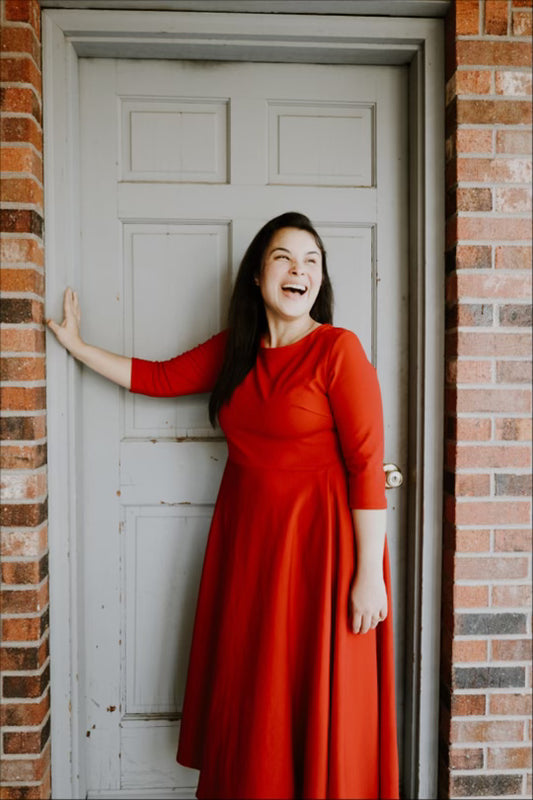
[[356, 624], [52, 325], [67, 301], [366, 620]]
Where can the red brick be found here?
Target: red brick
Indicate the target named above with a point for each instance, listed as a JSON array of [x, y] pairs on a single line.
[[493, 53], [25, 340], [512, 541], [24, 11], [23, 657], [26, 715], [512, 200], [22, 280], [25, 601], [475, 430], [493, 112], [522, 23], [22, 742], [467, 17], [21, 40], [22, 629], [23, 457], [473, 140], [24, 428], [473, 256], [494, 400], [493, 228], [14, 515], [21, 190], [486, 513], [497, 170], [22, 770], [18, 398], [469, 81], [490, 568], [508, 257], [16, 220], [517, 315], [15, 310], [474, 199], [467, 315], [471, 597], [20, 69], [468, 705], [21, 250], [472, 485], [20, 100], [22, 369], [20, 572], [496, 17], [463, 371], [515, 704], [497, 344], [513, 372], [509, 757], [23, 685], [473, 542], [22, 485], [466, 758], [512, 596], [21, 159], [485, 731], [513, 142], [513, 83], [24, 543], [466, 456], [514, 430]]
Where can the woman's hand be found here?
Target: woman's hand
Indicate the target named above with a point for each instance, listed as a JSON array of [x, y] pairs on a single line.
[[68, 333], [368, 601]]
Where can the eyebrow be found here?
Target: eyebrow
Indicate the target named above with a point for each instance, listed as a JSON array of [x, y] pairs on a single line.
[[285, 250]]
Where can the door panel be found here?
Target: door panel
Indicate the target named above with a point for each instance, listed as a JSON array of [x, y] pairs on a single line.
[[181, 163]]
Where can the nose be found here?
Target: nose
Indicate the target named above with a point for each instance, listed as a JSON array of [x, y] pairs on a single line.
[[296, 267]]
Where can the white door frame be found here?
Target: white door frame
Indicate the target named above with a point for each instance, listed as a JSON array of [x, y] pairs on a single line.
[[72, 34]]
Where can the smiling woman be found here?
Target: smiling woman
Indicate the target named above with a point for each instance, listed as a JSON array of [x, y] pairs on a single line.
[[290, 688]]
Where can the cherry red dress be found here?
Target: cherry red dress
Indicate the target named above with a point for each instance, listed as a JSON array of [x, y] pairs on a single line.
[[282, 699]]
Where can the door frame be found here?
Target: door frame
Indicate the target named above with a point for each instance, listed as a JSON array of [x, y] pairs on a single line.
[[69, 35]]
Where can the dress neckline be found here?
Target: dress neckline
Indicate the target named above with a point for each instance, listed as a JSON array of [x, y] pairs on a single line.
[[284, 347]]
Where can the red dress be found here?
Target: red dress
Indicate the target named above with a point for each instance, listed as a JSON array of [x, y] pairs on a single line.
[[282, 700]]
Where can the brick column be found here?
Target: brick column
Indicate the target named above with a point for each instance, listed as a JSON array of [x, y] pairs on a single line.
[[486, 643], [24, 696]]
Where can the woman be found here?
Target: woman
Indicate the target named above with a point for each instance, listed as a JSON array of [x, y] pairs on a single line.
[[290, 690]]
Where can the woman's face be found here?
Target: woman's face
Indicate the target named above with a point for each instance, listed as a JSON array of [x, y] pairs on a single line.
[[291, 274]]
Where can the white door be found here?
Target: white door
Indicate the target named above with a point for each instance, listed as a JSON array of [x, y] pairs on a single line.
[[181, 163]]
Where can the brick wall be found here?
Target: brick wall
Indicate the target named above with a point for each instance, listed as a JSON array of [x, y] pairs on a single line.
[[486, 672], [486, 641], [24, 693]]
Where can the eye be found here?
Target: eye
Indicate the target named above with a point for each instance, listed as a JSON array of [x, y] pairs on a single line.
[[283, 256]]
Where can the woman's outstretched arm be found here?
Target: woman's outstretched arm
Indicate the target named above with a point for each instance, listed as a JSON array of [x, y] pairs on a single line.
[[112, 366]]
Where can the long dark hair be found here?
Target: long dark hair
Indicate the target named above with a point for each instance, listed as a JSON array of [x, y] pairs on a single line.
[[247, 321]]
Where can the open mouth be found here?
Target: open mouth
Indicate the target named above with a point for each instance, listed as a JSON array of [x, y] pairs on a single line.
[[294, 288]]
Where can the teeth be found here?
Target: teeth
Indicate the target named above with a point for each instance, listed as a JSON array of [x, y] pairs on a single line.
[[295, 287]]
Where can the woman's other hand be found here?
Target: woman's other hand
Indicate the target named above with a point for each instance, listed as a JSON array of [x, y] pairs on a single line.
[[68, 332], [368, 601]]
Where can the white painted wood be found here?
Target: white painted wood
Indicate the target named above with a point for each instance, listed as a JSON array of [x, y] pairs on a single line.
[[398, 41], [181, 270], [393, 8], [175, 139]]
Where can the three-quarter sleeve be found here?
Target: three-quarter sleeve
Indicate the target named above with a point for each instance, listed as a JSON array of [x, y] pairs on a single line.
[[355, 400], [194, 371]]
